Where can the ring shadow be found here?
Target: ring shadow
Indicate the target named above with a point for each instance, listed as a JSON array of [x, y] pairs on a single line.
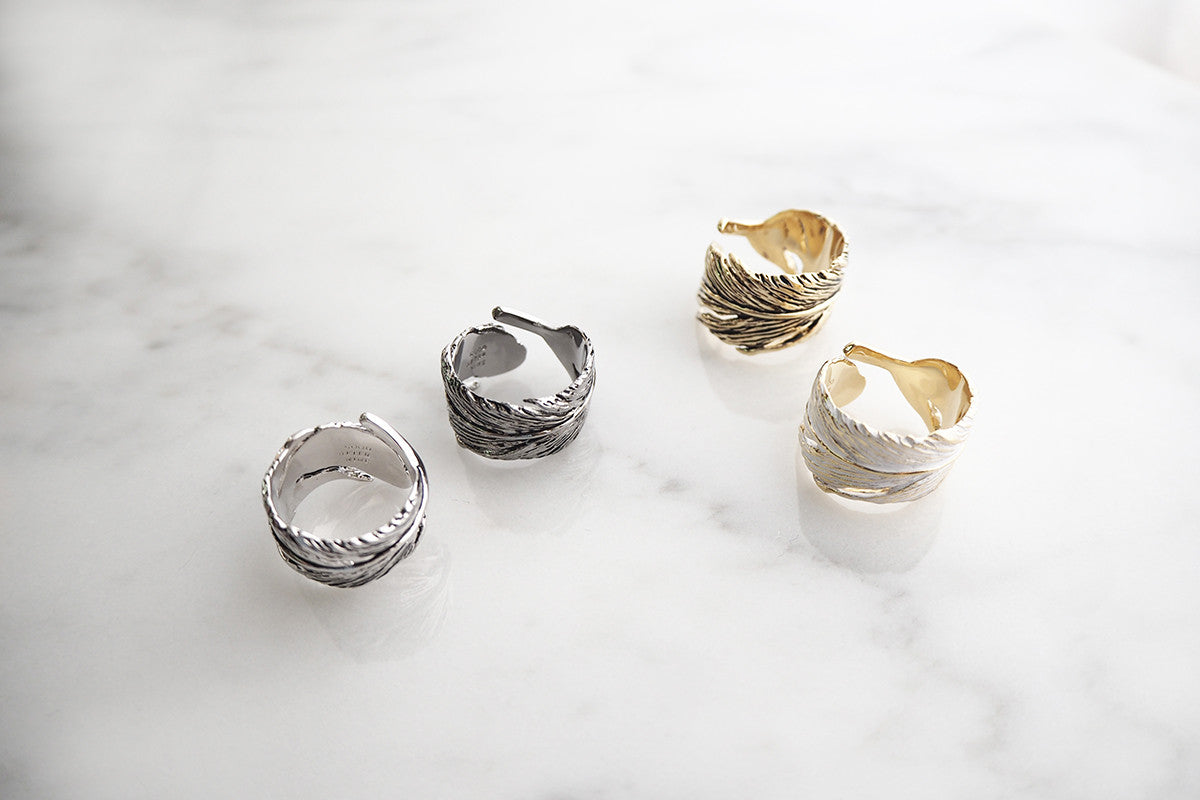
[[541, 495], [764, 386], [390, 617], [866, 537]]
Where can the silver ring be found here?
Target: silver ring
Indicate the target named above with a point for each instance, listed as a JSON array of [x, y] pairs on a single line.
[[366, 450], [534, 428], [757, 312], [852, 459]]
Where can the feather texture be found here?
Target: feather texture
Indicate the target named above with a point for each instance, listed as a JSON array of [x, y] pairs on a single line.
[[757, 312], [852, 459], [534, 428], [352, 561]]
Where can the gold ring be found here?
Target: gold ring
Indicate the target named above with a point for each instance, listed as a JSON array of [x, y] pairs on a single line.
[[854, 460], [756, 311]]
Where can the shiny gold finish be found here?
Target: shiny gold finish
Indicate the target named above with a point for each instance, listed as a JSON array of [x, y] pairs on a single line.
[[792, 236], [936, 389], [757, 312]]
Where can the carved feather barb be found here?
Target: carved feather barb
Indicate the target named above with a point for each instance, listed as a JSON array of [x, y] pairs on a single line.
[[757, 312], [350, 561], [850, 458], [534, 428]]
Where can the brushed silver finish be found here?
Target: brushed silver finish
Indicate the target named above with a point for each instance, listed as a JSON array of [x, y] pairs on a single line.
[[535, 427], [366, 450]]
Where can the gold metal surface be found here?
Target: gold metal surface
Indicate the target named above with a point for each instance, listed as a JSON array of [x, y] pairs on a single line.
[[792, 236], [757, 312], [935, 389]]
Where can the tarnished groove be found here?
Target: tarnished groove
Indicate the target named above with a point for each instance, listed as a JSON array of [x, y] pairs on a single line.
[[852, 459], [302, 464], [757, 312], [533, 428]]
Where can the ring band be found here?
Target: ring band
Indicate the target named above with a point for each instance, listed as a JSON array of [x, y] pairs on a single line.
[[366, 450], [757, 312], [532, 429], [854, 460]]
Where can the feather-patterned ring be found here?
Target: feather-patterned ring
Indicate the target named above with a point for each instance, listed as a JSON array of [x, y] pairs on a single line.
[[850, 458], [535, 427], [364, 451], [757, 312]]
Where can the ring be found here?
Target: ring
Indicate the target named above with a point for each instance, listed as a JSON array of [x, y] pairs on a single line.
[[534, 428], [757, 312], [366, 450], [854, 460]]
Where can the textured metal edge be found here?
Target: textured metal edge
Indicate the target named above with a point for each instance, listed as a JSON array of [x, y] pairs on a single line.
[[854, 460], [758, 312], [360, 559], [509, 431]]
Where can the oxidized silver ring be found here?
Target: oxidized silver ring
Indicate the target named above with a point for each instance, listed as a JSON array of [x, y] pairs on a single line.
[[850, 458], [535, 427], [756, 311], [366, 450]]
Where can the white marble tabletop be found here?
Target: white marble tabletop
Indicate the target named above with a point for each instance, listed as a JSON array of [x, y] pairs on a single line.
[[224, 222]]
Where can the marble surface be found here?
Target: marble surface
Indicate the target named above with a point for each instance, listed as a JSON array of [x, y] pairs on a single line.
[[223, 222]]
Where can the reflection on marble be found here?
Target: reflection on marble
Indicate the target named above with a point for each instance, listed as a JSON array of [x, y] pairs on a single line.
[[387, 618], [766, 386], [544, 495], [391, 618], [864, 536], [224, 222]]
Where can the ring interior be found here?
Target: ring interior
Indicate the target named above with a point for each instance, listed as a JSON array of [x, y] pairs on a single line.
[[795, 241], [492, 350], [935, 389], [811, 239], [335, 453]]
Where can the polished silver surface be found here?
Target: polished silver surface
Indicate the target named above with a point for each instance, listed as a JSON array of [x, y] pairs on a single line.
[[535, 427], [366, 450]]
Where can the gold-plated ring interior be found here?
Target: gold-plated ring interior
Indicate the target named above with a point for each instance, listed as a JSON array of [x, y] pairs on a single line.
[[792, 239], [936, 389]]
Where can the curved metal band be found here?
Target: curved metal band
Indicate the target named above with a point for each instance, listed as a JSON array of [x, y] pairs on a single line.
[[534, 428], [757, 312], [367, 450], [854, 460]]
